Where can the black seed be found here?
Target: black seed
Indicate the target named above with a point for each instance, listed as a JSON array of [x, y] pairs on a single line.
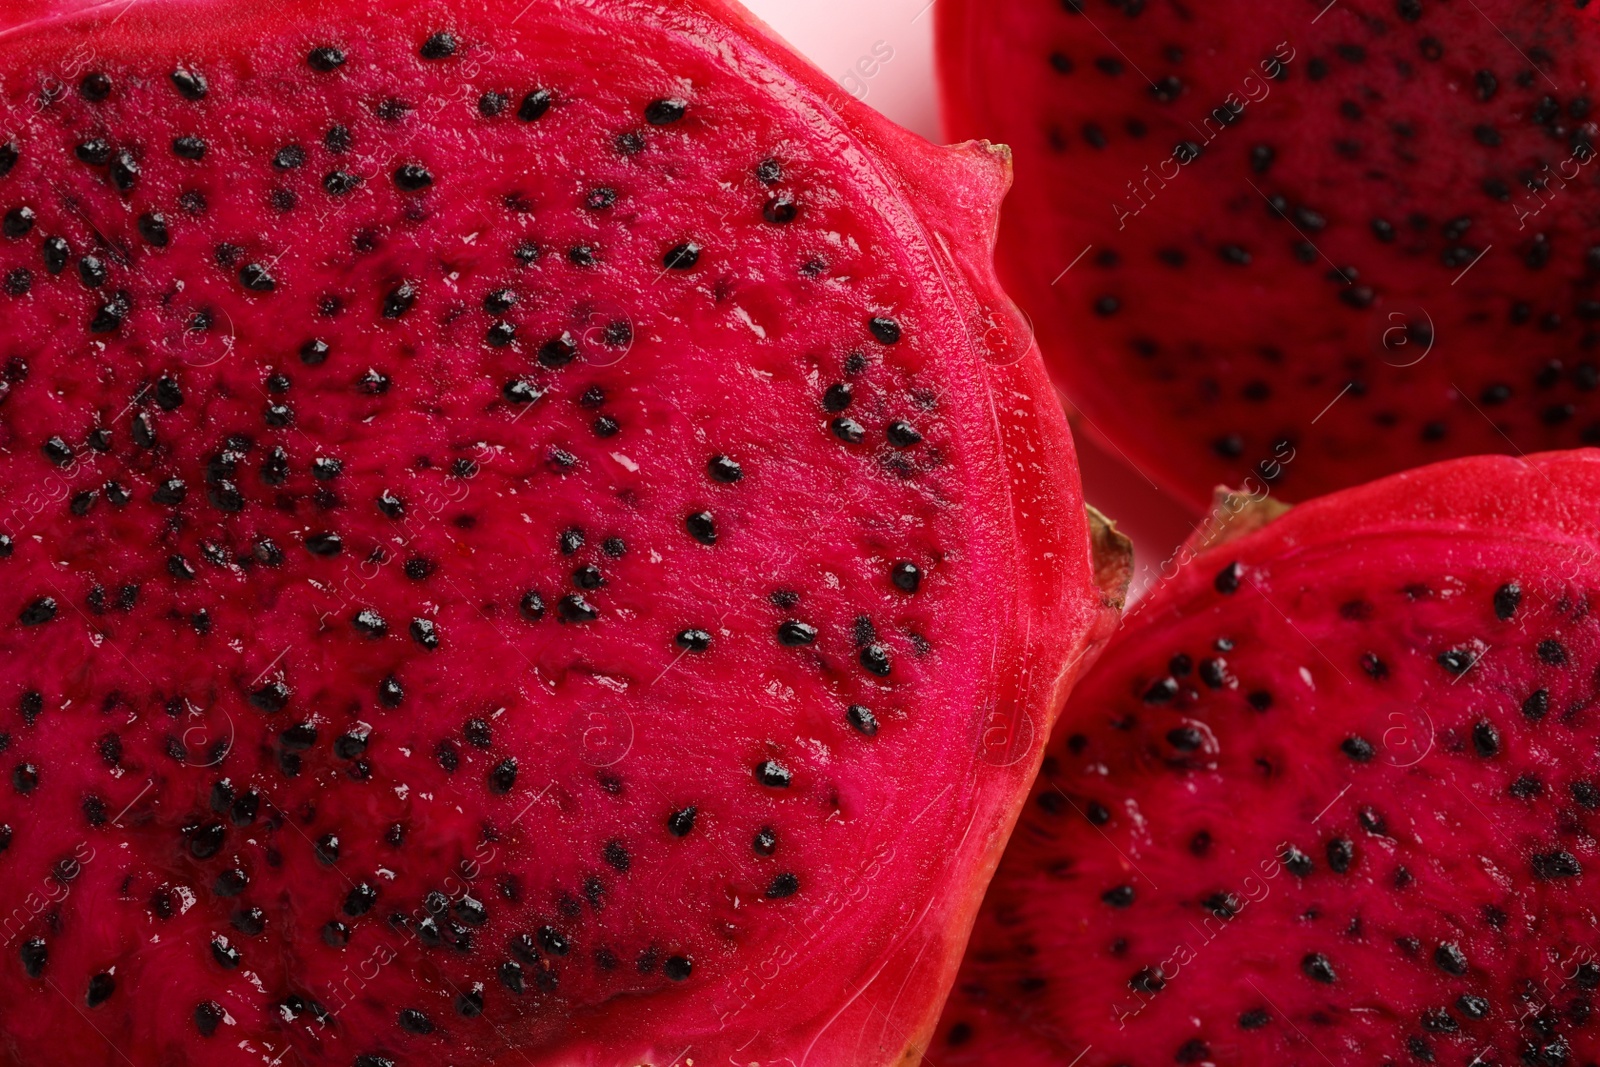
[[679, 823], [1357, 748], [412, 177], [664, 112], [862, 720], [255, 277], [1161, 691], [339, 182], [723, 469], [838, 397], [499, 335], [1473, 1007], [1449, 958], [1549, 866], [887, 331], [1254, 1019], [784, 885], [337, 140], [399, 300], [1537, 705], [425, 633], [1486, 738], [848, 430], [682, 257], [270, 697], [1587, 795], [1298, 863], [360, 900], [574, 608], [289, 157], [773, 774], [391, 692], [57, 451], [170, 492], [1456, 660], [415, 1022], [1506, 599], [1148, 980], [902, 434], [693, 640], [702, 527], [97, 153], [558, 351], [300, 736], [1552, 652], [677, 968], [369, 623], [25, 778], [18, 221], [1341, 854], [765, 842], [326, 59], [95, 87], [391, 506], [327, 849], [875, 659], [191, 84], [616, 856], [40, 611], [1317, 968], [231, 883], [504, 776], [441, 45], [534, 105], [491, 104], [1526, 787], [499, 301], [324, 544], [1185, 738], [532, 606], [35, 954], [101, 986], [1118, 897], [1227, 579], [793, 632], [1439, 1021]]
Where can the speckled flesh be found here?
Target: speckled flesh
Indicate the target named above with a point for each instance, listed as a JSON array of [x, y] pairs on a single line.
[[531, 536], [1332, 793], [1306, 243]]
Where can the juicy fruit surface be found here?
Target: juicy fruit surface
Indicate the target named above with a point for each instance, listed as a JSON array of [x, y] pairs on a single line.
[[1388, 202], [1333, 793], [491, 563]]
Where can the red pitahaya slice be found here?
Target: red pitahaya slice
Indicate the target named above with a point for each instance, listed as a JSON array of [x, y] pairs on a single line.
[[530, 537], [1331, 797], [1227, 218]]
